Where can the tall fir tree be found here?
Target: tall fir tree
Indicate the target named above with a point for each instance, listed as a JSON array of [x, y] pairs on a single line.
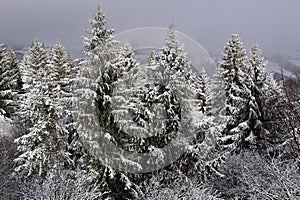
[[173, 83], [98, 51], [95, 84], [45, 146], [10, 84], [259, 93], [233, 68], [121, 76], [33, 70], [203, 91], [2, 102], [61, 71]]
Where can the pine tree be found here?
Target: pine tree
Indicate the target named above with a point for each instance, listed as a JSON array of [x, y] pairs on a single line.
[[93, 92], [124, 96], [45, 145], [34, 65], [275, 118], [10, 84], [258, 87], [233, 68], [60, 78], [40, 148], [33, 70], [203, 92], [98, 52], [99, 46], [172, 83], [203, 157]]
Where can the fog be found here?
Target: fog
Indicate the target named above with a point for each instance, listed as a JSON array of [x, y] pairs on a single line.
[[274, 24]]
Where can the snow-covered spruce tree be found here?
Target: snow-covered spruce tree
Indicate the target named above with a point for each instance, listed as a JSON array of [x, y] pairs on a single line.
[[233, 68], [98, 50], [99, 46], [282, 118], [203, 157], [203, 91], [172, 85], [2, 85], [94, 86], [114, 100], [259, 92], [10, 83], [121, 77], [60, 78], [45, 145], [33, 68]]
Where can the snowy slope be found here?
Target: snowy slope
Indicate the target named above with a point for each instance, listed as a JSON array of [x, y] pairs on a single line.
[[295, 61], [273, 67]]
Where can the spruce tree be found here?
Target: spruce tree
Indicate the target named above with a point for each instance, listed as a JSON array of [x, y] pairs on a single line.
[[45, 145], [2, 101], [10, 82], [33, 70], [233, 68], [173, 83], [124, 95], [203, 92], [60, 79], [98, 52], [93, 90], [259, 93], [174, 86]]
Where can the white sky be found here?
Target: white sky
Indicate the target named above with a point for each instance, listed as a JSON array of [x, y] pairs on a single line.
[[274, 24]]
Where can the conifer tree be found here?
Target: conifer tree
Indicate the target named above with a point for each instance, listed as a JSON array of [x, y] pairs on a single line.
[[98, 52], [174, 86], [33, 70], [61, 77], [99, 45], [203, 92], [258, 87], [233, 68], [2, 103], [94, 87], [124, 94], [10, 82], [45, 145], [172, 83]]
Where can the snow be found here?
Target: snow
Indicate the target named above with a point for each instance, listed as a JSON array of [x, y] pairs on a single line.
[[274, 67], [5, 126], [295, 61]]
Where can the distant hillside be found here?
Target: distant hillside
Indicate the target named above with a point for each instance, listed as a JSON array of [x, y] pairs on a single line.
[[75, 53], [279, 62]]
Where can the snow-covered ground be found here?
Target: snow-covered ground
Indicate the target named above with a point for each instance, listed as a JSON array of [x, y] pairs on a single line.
[[295, 61], [5, 127]]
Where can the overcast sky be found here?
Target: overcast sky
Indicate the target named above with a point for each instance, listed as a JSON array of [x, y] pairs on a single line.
[[274, 24]]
